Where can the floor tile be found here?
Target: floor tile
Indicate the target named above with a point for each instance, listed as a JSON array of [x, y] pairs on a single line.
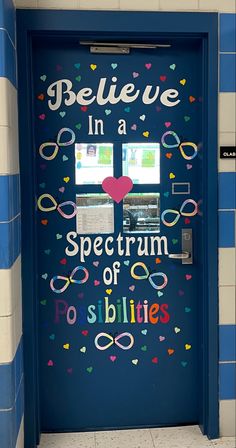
[[179, 437], [69, 440], [224, 442], [124, 439]]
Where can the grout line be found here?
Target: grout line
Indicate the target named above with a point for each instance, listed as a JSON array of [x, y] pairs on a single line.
[[227, 362], [11, 220], [4, 29]]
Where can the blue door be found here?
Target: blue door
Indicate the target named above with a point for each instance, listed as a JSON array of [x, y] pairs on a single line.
[[118, 159]]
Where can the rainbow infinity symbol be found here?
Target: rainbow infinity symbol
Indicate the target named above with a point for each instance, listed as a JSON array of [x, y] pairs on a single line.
[[69, 280], [148, 276], [56, 206], [177, 213], [114, 341], [58, 144], [179, 145]]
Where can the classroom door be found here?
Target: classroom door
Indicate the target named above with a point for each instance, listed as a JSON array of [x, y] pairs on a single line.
[[118, 158]]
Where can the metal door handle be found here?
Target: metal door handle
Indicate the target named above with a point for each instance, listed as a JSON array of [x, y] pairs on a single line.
[[181, 256]]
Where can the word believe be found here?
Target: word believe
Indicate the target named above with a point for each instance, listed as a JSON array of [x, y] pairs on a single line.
[[62, 92], [103, 312]]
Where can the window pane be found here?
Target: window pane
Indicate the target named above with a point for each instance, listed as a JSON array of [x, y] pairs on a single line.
[[141, 212], [95, 214], [141, 162], [93, 162]]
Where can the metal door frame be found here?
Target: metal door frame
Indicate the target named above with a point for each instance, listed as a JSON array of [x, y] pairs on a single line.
[[35, 23]]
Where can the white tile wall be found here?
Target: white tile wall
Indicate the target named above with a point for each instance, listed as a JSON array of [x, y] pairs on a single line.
[[227, 112], [141, 5], [227, 418], [60, 4], [11, 293], [227, 299], [227, 260], [227, 139], [10, 334], [8, 101], [20, 438], [9, 157], [183, 5], [99, 4], [26, 3], [217, 5]]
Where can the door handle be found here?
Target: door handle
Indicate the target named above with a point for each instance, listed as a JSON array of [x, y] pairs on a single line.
[[187, 248], [181, 256]]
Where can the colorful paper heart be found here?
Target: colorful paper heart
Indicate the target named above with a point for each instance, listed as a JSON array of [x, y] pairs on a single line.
[[96, 282], [112, 358], [64, 158], [155, 360], [44, 276], [52, 337], [117, 188], [126, 262], [78, 78], [172, 66], [66, 179], [186, 118], [146, 134], [135, 361], [83, 349], [189, 166], [187, 309], [47, 251], [78, 126], [107, 111], [163, 78], [44, 222], [58, 236], [174, 241], [183, 81], [134, 127], [84, 108], [188, 346], [192, 99], [161, 338], [142, 117], [170, 351], [169, 155], [93, 66], [135, 74], [42, 116], [89, 369], [148, 66], [144, 348], [172, 176], [167, 124], [61, 189], [109, 291], [50, 363], [43, 302], [96, 263], [177, 330], [40, 97], [160, 293], [158, 260], [42, 185], [62, 114], [114, 65], [127, 109], [43, 78], [66, 346], [77, 65], [166, 194], [63, 261], [132, 288], [144, 332], [84, 332], [188, 276], [184, 363]]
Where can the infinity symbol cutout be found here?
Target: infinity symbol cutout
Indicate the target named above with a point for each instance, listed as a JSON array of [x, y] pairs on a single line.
[[57, 144], [148, 276], [179, 145], [69, 280], [177, 213], [114, 341], [56, 206]]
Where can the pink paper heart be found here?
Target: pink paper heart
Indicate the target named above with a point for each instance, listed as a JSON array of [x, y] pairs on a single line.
[[188, 277], [112, 358], [96, 282], [167, 124], [135, 74], [50, 363], [161, 338], [62, 189], [96, 263], [132, 288], [42, 117], [117, 188], [148, 66], [134, 127], [189, 166]]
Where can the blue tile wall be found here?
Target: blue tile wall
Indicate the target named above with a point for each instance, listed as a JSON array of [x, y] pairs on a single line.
[[227, 190], [7, 18], [228, 343], [10, 377], [228, 72], [10, 240], [226, 229], [227, 381], [9, 197], [228, 32], [8, 58], [10, 420]]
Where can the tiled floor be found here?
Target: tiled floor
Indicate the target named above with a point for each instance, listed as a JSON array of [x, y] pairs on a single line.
[[181, 437]]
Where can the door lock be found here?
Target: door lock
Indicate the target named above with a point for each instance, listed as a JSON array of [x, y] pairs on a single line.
[[187, 248]]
